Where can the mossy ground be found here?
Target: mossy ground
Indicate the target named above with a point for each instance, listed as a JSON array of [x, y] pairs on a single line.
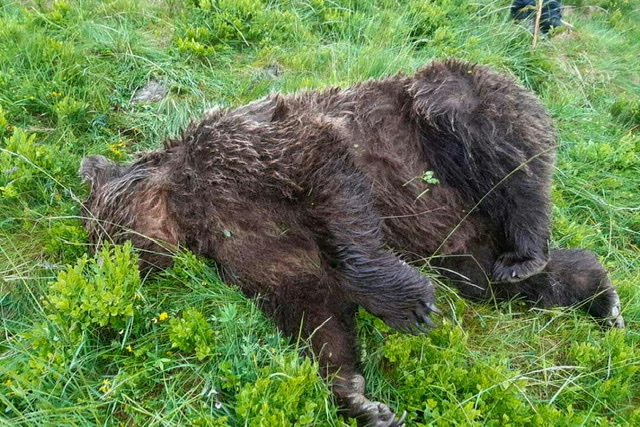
[[87, 341]]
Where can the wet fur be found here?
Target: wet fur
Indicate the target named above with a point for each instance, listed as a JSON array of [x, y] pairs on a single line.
[[314, 201]]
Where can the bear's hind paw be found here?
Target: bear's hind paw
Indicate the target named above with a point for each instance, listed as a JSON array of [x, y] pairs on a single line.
[[613, 317], [376, 414]]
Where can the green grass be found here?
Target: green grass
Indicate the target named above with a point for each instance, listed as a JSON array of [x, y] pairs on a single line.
[[87, 341]]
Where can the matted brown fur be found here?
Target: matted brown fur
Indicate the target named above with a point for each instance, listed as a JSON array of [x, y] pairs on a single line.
[[310, 200]]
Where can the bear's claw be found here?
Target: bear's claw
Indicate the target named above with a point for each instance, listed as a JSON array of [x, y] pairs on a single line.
[[411, 314], [512, 267], [417, 320]]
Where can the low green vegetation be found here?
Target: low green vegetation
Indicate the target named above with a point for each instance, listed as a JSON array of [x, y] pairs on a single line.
[[89, 340]]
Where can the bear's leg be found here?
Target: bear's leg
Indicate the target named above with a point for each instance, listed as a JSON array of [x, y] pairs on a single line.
[[570, 278], [491, 140], [348, 232], [349, 388], [315, 310], [525, 213], [334, 340]]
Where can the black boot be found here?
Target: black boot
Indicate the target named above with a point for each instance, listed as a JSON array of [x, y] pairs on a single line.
[[551, 12]]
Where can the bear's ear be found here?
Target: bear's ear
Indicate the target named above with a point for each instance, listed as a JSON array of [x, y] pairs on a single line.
[[95, 169]]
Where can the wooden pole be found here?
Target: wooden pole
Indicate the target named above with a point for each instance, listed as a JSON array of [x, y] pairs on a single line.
[[536, 28]]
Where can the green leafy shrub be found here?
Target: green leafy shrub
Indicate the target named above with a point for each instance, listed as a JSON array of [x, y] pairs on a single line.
[[51, 346], [443, 382], [94, 296], [432, 19], [98, 291], [285, 396], [59, 10], [24, 165], [220, 25], [66, 240], [612, 370], [69, 111], [192, 334], [192, 46]]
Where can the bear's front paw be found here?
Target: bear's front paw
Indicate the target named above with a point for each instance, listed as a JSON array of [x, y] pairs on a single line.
[[411, 313], [513, 267]]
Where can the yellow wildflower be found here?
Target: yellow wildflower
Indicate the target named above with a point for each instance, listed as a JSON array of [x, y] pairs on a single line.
[[117, 147], [106, 386], [163, 316], [129, 348]]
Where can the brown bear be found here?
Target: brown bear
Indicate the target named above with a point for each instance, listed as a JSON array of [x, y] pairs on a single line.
[[316, 202]]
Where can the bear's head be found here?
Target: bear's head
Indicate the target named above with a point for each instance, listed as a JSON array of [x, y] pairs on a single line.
[[129, 202]]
